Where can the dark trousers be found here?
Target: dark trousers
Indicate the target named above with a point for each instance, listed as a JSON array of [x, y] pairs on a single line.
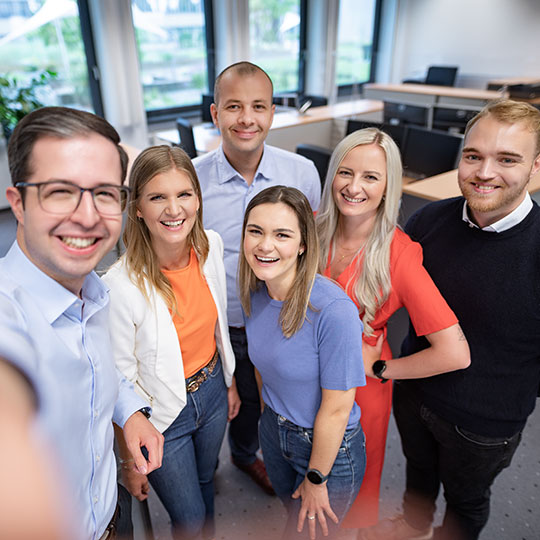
[[244, 429], [440, 452]]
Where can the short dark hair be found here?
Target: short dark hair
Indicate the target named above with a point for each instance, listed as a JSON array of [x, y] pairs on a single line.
[[61, 122], [244, 69]]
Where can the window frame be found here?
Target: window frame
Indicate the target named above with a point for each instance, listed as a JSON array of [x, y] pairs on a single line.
[[157, 116], [351, 88]]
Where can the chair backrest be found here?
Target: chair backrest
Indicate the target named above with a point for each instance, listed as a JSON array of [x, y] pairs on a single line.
[[401, 113], [429, 152], [187, 141], [207, 100], [441, 75], [398, 132], [319, 155]]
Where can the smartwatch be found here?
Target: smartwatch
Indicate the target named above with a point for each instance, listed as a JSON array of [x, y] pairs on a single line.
[[316, 477], [379, 367], [145, 411]]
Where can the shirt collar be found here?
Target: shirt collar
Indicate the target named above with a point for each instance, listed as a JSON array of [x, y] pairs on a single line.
[[51, 298], [227, 172], [507, 222]]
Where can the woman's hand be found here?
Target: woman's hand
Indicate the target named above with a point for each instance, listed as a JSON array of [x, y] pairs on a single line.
[[315, 507], [234, 400], [135, 482], [370, 354]]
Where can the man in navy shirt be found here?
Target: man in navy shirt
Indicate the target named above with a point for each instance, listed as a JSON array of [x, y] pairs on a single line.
[[482, 250]]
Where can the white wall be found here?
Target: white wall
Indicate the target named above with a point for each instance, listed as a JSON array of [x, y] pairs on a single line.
[[485, 38]]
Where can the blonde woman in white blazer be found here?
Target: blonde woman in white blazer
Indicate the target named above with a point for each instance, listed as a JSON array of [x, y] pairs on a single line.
[[170, 335]]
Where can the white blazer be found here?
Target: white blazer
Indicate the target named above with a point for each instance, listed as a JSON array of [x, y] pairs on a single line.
[[144, 339]]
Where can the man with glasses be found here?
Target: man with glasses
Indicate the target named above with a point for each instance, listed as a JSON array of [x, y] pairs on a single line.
[[67, 170]]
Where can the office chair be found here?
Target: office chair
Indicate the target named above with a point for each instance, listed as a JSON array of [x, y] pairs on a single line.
[[398, 132], [187, 141], [429, 152], [437, 76], [401, 113], [320, 157], [207, 100]]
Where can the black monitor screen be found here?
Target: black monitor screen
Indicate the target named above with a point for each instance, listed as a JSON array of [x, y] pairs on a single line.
[[401, 113], [397, 132], [207, 100], [427, 153]]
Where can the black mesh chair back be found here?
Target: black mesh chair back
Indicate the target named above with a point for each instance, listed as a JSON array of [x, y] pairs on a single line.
[[402, 113], [441, 75], [320, 157], [187, 141]]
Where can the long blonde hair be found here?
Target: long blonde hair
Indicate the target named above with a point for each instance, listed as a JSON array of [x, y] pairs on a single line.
[[294, 309], [372, 283], [141, 260]]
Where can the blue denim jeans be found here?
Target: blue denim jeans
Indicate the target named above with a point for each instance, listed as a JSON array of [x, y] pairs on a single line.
[[244, 429], [287, 448], [185, 481], [440, 452]]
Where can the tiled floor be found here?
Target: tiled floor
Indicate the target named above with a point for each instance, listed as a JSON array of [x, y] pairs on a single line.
[[244, 512]]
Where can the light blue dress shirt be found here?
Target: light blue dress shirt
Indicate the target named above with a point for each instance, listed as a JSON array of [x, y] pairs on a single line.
[[62, 342], [226, 195]]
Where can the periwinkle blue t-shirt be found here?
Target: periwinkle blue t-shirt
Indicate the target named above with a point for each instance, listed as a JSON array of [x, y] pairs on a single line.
[[325, 353]]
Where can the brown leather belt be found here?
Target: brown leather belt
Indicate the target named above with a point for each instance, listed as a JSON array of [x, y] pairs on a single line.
[[110, 531], [194, 382]]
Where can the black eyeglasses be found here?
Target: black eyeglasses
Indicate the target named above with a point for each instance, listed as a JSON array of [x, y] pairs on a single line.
[[63, 198]]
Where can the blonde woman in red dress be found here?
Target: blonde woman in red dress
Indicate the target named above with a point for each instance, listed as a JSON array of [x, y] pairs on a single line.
[[381, 270]]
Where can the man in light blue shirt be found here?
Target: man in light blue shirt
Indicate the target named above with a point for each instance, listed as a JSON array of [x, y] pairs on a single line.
[[230, 177], [67, 170]]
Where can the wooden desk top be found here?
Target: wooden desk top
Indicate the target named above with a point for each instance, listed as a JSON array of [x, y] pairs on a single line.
[[515, 80], [445, 185], [207, 137], [446, 91]]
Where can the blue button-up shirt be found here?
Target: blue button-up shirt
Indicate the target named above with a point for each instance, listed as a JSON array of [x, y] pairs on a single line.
[[226, 195], [62, 342]]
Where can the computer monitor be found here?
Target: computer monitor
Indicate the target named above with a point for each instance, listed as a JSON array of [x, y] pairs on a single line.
[[207, 100], [429, 152], [397, 132], [401, 113]]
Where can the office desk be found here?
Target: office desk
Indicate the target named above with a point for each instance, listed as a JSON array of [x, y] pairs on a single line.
[[288, 128], [445, 185], [431, 96]]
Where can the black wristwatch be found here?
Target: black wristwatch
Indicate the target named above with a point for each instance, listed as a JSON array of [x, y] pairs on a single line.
[[145, 411], [316, 477], [379, 367]]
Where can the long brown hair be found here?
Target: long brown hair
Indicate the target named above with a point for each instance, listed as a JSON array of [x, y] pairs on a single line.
[[141, 260], [294, 309]]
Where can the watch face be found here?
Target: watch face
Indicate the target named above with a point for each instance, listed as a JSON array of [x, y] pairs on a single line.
[[314, 477]]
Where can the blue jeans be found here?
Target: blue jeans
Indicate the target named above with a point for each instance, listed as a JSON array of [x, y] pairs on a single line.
[[287, 448], [185, 481], [244, 429], [440, 452]]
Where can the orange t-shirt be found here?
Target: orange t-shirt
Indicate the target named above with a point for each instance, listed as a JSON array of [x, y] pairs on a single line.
[[196, 317]]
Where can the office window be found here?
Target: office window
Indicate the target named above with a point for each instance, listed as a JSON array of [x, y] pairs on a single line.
[[172, 46], [36, 35], [274, 40], [357, 28]]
